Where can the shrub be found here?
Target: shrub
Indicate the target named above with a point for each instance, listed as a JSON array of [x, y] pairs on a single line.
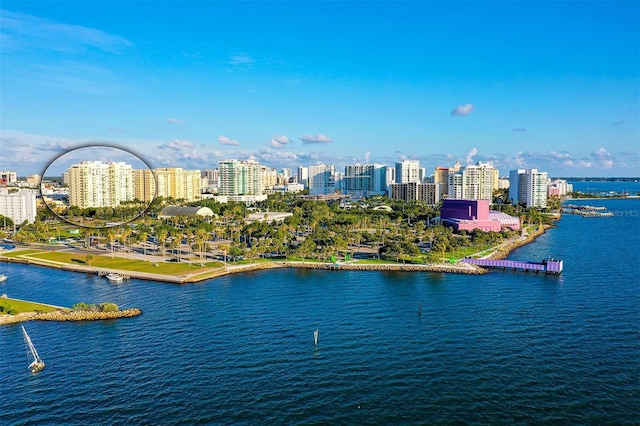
[[109, 307]]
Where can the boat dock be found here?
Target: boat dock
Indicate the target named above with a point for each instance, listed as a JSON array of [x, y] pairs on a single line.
[[548, 266]]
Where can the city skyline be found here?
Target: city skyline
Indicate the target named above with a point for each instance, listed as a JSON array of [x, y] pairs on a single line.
[[523, 85]]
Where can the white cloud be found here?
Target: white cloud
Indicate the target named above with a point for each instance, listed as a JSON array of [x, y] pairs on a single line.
[[227, 141], [279, 142], [174, 120], [603, 157], [241, 59], [20, 31], [519, 161], [367, 157], [307, 139], [461, 110], [177, 144], [470, 155], [518, 129]]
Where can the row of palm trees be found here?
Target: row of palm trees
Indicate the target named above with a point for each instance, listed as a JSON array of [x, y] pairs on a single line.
[[317, 230]]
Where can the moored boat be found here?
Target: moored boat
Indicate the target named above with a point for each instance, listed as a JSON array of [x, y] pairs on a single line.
[[116, 278]]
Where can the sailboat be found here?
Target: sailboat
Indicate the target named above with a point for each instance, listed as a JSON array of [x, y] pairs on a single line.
[[37, 364]]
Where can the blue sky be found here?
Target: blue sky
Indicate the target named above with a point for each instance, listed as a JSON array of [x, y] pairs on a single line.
[[547, 85]]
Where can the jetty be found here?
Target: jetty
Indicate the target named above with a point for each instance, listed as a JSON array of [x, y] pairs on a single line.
[[586, 211], [548, 266]]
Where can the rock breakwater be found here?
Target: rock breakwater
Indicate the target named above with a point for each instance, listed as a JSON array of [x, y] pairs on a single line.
[[455, 269], [84, 315]]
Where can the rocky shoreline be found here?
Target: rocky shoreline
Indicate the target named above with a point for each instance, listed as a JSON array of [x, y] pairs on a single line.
[[407, 267], [85, 315]]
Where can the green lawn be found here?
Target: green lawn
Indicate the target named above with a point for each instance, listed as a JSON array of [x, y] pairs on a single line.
[[19, 253], [100, 261], [22, 306]]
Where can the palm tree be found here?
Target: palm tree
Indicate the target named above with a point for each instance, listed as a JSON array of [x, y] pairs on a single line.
[[201, 237], [111, 234], [224, 248], [162, 239]]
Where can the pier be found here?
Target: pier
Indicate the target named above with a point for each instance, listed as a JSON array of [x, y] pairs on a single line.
[[548, 266]]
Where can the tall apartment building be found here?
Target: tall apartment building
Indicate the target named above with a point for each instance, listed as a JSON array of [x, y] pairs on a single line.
[[7, 177], [269, 177], [19, 205], [177, 183], [211, 175], [34, 180], [239, 178], [408, 171], [322, 179], [365, 179], [144, 184], [284, 177], [558, 187], [303, 176], [98, 184], [441, 175], [429, 193], [528, 187], [475, 182]]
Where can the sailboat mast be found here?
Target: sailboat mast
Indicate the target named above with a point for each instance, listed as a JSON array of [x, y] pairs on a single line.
[[30, 345]]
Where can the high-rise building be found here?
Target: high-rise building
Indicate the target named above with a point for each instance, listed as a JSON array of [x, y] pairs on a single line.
[[322, 179], [429, 193], [558, 187], [408, 171], [475, 182], [441, 175], [303, 176], [365, 179], [34, 180], [98, 184], [528, 187], [19, 206], [239, 178], [7, 177], [178, 183], [269, 177], [144, 183]]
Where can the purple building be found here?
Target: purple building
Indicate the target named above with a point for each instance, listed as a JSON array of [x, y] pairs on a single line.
[[475, 214]]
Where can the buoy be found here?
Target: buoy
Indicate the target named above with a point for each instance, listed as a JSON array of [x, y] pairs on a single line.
[[315, 337]]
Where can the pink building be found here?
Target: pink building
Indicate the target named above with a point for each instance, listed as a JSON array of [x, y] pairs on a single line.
[[475, 214]]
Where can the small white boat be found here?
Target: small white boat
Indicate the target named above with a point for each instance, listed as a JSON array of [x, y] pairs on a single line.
[[116, 278], [3, 278], [37, 364]]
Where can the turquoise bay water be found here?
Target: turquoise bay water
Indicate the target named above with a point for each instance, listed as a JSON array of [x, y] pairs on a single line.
[[506, 347]]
